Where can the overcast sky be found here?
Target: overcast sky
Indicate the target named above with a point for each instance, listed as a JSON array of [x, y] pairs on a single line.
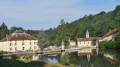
[[43, 14]]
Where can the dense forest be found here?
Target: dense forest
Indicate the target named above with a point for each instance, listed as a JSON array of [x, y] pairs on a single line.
[[97, 25]]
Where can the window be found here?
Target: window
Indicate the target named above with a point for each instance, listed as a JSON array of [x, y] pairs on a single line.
[[30, 43], [16, 49], [10, 44], [10, 49], [15, 43], [23, 48], [22, 43], [30, 48], [34, 47]]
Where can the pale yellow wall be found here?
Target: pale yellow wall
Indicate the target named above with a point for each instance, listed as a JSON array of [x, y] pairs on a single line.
[[5, 46], [35, 57], [84, 43]]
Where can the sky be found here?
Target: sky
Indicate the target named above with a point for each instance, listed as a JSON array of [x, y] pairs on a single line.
[[45, 14]]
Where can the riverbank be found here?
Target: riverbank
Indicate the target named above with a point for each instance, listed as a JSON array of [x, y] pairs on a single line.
[[27, 63]]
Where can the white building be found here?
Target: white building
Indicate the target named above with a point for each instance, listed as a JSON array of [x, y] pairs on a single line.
[[72, 43], [110, 35]]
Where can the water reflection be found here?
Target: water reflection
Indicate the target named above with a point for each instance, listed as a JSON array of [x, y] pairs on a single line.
[[83, 58]]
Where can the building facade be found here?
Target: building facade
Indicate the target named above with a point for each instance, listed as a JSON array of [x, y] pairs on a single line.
[[72, 43], [87, 42], [19, 41]]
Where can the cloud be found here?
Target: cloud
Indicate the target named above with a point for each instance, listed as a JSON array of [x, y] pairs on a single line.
[[38, 14]]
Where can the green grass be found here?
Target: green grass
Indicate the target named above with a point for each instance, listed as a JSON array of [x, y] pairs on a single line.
[[27, 63]]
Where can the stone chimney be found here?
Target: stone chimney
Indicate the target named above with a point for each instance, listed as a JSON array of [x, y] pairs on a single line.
[[7, 36]]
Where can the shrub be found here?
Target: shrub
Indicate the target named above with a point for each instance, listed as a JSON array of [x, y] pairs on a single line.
[[17, 56], [3, 52]]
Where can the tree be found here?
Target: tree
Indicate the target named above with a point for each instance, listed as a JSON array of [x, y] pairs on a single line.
[[42, 39], [14, 28], [3, 30], [64, 58], [62, 22], [94, 41], [98, 26]]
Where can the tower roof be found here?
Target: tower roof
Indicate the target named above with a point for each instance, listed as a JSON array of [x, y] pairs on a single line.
[[87, 32]]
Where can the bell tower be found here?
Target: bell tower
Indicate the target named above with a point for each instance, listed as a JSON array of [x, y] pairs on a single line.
[[87, 34]]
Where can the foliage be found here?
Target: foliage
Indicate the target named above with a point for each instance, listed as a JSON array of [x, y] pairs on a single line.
[[97, 25], [16, 56], [14, 28], [64, 58], [3, 52], [29, 57], [108, 45], [42, 39], [13, 63], [94, 41], [3, 30]]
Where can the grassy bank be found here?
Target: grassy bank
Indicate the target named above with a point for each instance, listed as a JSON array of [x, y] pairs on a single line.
[[26, 63]]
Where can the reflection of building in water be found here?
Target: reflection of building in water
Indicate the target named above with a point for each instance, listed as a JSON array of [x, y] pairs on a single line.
[[110, 58], [97, 50], [85, 52], [35, 57], [88, 58], [63, 45]]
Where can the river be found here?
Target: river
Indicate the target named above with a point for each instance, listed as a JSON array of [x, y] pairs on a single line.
[[85, 58]]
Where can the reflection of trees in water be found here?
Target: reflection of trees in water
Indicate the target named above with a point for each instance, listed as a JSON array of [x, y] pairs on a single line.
[[64, 58], [95, 61], [114, 53]]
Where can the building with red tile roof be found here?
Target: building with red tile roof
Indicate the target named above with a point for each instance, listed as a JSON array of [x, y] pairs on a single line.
[[87, 42], [19, 41], [110, 35]]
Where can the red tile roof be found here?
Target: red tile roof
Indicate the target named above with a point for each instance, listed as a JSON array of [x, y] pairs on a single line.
[[71, 41], [18, 36], [89, 39], [110, 32]]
